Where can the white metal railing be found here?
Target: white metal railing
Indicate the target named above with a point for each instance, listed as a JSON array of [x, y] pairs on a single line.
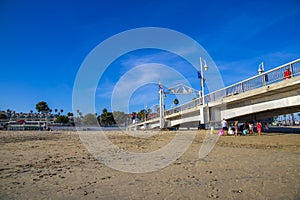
[[269, 77], [272, 76], [188, 105]]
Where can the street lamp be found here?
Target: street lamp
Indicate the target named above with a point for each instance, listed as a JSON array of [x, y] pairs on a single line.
[[202, 61], [202, 65], [146, 112], [261, 68], [161, 106]]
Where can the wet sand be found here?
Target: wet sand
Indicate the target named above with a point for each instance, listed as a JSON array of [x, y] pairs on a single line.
[[56, 165]]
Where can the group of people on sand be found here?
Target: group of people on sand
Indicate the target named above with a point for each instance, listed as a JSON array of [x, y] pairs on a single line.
[[248, 127], [242, 129]]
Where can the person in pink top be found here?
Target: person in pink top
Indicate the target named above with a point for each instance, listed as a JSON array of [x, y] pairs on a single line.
[[259, 127]]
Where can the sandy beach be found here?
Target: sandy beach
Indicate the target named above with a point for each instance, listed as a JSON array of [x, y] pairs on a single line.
[[57, 165]]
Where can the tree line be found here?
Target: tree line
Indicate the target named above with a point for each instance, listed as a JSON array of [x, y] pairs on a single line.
[[106, 118]]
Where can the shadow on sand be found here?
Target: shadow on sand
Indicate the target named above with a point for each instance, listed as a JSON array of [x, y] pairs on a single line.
[[283, 129]]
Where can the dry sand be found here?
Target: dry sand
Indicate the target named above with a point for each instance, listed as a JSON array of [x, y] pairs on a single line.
[[56, 165]]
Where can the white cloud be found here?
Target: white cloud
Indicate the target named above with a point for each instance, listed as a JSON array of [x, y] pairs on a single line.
[[140, 76], [137, 71], [135, 60]]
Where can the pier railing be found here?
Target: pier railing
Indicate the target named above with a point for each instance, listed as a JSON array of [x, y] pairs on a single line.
[[272, 76], [269, 77]]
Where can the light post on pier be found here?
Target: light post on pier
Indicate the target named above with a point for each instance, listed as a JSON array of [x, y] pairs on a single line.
[[200, 75], [261, 68], [161, 106]]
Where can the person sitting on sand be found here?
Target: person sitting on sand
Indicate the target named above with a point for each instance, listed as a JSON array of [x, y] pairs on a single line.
[[245, 130], [231, 131], [247, 126]]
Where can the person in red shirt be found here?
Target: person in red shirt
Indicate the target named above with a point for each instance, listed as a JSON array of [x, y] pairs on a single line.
[[287, 73], [259, 127]]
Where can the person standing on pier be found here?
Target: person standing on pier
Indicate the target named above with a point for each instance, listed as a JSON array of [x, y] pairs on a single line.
[[287, 73]]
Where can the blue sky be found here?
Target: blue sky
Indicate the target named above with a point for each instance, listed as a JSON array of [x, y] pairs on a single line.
[[43, 44]]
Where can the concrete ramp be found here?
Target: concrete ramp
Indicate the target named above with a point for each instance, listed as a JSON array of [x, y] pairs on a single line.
[[185, 120]]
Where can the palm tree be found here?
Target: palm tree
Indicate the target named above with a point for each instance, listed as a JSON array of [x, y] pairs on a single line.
[[104, 110], [133, 115], [61, 110], [31, 111], [42, 107], [106, 118], [70, 114], [176, 102], [148, 113], [142, 114]]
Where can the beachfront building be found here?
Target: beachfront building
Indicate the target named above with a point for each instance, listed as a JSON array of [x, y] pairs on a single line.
[[11, 120]]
